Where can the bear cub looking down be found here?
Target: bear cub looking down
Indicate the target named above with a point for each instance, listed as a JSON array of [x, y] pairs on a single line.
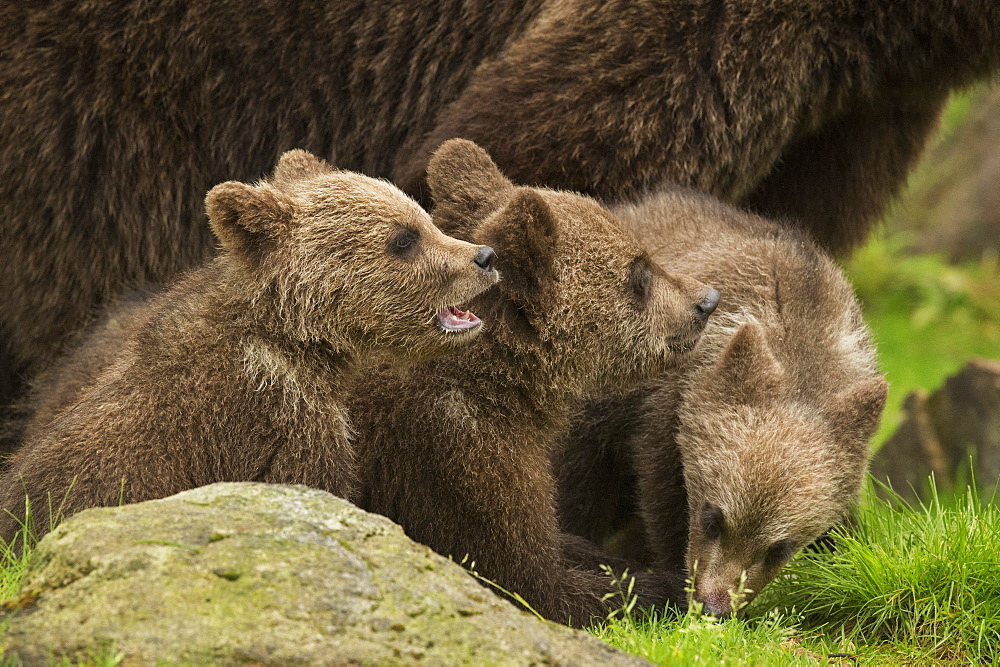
[[757, 442], [238, 371], [459, 451]]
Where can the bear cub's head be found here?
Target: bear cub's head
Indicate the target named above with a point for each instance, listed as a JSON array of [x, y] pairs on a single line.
[[347, 260], [767, 470], [578, 289]]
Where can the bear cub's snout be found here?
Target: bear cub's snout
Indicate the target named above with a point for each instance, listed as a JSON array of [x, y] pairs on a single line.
[[485, 259], [708, 304]]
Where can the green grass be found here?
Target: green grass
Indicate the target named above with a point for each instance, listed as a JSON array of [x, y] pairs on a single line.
[[701, 640], [921, 583], [958, 109], [13, 561], [697, 639], [928, 317], [908, 585]]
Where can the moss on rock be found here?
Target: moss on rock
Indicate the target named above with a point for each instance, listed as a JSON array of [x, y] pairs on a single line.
[[261, 573]]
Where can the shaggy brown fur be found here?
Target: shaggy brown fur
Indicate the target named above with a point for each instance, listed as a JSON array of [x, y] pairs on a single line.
[[99, 347], [760, 436], [238, 371], [810, 109], [458, 451]]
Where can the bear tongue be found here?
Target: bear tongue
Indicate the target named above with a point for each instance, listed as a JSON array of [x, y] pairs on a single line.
[[453, 319]]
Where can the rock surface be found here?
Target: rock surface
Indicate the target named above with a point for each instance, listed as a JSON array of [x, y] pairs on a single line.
[[260, 573], [942, 430]]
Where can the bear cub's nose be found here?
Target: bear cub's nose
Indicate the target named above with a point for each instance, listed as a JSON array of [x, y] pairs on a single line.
[[485, 257], [708, 304], [718, 604]]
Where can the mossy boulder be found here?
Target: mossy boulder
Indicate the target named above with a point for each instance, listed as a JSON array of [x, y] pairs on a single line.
[[262, 573]]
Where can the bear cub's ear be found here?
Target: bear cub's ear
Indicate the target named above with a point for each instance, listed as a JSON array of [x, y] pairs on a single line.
[[466, 187], [297, 165], [524, 236], [855, 412], [748, 372], [247, 218]]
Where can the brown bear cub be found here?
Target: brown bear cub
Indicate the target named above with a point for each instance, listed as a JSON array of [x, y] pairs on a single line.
[[458, 451], [754, 444], [239, 371]]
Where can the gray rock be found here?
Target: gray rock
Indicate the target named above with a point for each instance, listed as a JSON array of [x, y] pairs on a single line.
[[943, 431], [272, 574]]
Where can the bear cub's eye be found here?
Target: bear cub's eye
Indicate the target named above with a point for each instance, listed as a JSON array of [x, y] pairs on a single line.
[[403, 243], [780, 551], [640, 279], [712, 521]]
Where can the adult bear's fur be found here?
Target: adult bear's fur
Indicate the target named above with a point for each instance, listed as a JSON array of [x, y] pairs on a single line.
[[117, 116]]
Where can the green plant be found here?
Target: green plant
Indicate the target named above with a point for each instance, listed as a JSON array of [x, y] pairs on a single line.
[[14, 556], [624, 592], [927, 316], [924, 580], [692, 639], [470, 566]]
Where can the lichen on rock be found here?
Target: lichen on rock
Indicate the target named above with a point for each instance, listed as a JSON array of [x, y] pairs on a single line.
[[261, 573]]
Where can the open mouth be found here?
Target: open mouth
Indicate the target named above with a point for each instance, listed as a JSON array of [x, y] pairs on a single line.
[[452, 319]]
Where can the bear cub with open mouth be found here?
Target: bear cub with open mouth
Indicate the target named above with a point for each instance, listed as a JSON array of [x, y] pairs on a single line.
[[237, 372], [458, 451]]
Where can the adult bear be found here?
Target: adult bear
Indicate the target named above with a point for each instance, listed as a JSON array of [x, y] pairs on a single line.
[[117, 116]]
